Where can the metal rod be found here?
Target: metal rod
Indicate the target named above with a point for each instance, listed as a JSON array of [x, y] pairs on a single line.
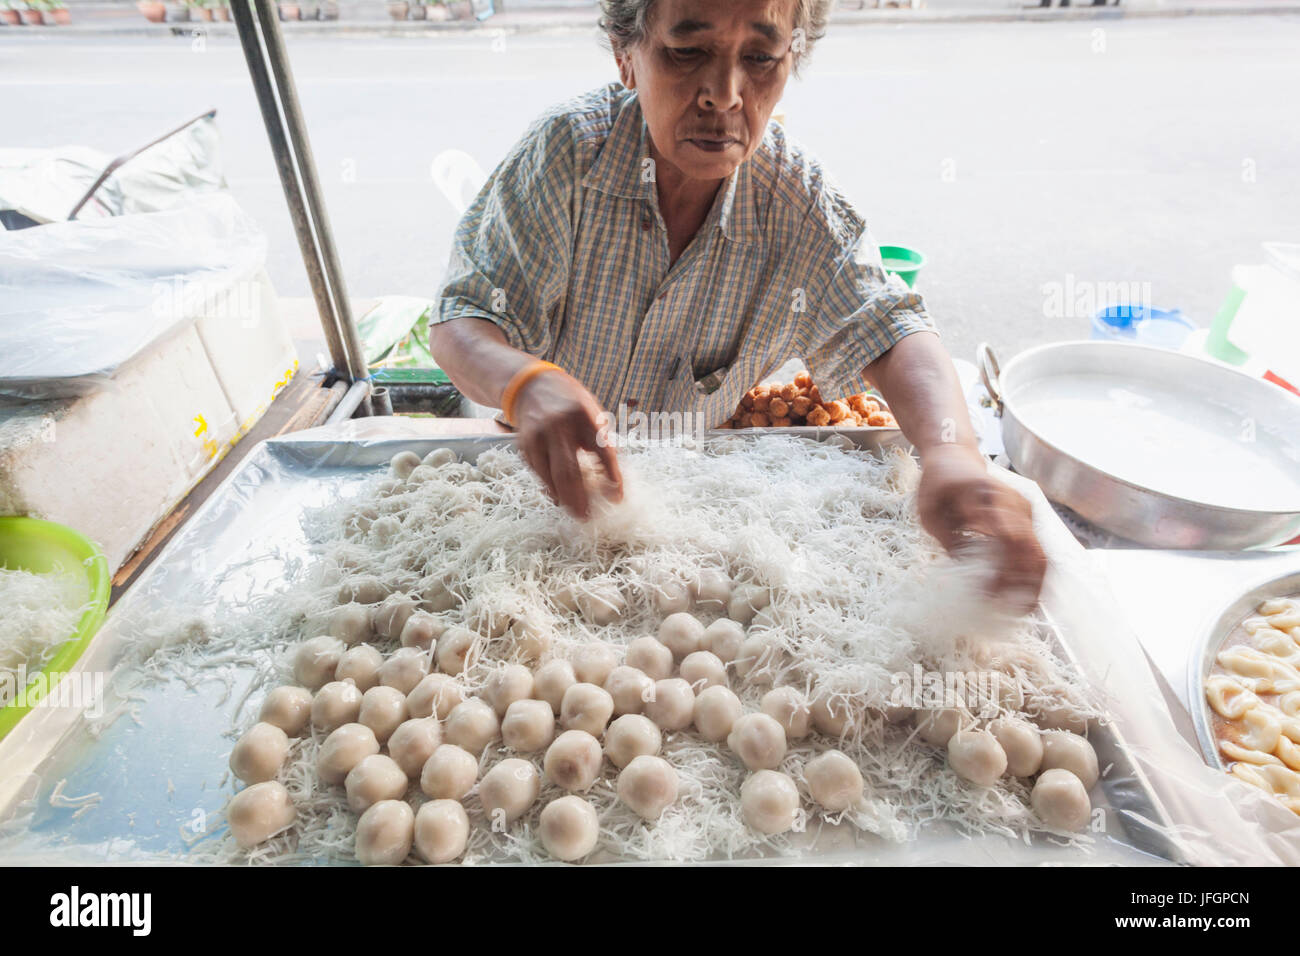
[[279, 60], [381, 402], [340, 335], [357, 394]]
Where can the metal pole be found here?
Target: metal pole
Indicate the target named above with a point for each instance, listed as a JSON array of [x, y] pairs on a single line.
[[301, 191]]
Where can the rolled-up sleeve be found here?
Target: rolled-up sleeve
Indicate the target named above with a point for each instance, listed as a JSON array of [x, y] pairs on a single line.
[[509, 261], [857, 313]]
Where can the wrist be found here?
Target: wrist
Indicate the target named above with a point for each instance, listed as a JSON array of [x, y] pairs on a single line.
[[952, 451], [519, 383]]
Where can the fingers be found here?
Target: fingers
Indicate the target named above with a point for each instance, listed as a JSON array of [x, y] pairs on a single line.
[[537, 456], [570, 489], [595, 441]]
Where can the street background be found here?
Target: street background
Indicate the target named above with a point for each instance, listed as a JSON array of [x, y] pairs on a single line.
[[1033, 161]]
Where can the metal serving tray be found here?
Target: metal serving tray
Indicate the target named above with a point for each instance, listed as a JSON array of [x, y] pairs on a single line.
[[1207, 648], [159, 771]]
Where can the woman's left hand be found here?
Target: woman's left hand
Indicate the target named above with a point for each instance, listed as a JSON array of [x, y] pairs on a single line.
[[958, 499]]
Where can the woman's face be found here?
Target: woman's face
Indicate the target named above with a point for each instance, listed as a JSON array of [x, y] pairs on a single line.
[[708, 74]]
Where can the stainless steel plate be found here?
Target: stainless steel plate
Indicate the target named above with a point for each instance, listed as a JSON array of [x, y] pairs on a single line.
[[1207, 648]]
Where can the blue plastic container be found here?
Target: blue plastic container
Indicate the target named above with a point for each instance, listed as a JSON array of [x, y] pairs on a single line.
[[1142, 325]]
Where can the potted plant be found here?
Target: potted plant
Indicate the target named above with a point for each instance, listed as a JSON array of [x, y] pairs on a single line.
[[398, 9], [60, 12], [178, 13], [32, 12], [329, 10], [9, 13], [204, 11], [461, 9], [223, 10], [155, 11], [290, 11], [436, 10], [417, 10]]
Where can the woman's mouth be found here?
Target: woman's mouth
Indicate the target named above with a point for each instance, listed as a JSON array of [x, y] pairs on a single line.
[[711, 144]]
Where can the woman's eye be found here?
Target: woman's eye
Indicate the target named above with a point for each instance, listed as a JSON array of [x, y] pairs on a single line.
[[761, 58], [684, 52]]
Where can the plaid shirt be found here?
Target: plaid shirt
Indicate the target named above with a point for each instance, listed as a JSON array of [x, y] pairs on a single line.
[[565, 250]]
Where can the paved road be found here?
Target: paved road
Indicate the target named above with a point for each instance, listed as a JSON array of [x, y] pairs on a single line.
[[1036, 164]]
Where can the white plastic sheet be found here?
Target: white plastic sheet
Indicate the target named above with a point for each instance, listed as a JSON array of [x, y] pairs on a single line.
[[79, 299]]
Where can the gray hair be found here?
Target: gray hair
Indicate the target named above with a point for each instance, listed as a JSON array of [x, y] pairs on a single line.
[[624, 23]]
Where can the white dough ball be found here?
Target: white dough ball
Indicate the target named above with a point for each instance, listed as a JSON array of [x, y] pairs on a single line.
[[450, 773], [403, 463], [456, 649], [723, 639], [673, 706], [363, 588], [552, 680], [438, 597], [413, 743], [628, 688], [631, 736], [788, 708], [259, 754], [976, 756], [746, 601], [335, 704], [712, 589], [716, 710], [586, 707], [343, 749], [568, 828], [288, 708], [530, 639], [528, 725], [592, 663], [507, 684], [441, 831], [672, 597], [440, 457], [435, 696], [758, 660], [509, 789], [375, 778], [404, 668], [834, 780], [394, 611], [257, 813], [703, 669], [385, 833], [1061, 800], [572, 762], [350, 623], [360, 664], [1023, 746], [1067, 751], [758, 740], [601, 605], [315, 661], [383, 710], [471, 725], [681, 633], [421, 630], [831, 714], [769, 802], [650, 657], [936, 727], [648, 785], [383, 532]]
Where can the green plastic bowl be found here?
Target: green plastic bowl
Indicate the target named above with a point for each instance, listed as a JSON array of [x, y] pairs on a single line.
[[903, 262], [30, 544]]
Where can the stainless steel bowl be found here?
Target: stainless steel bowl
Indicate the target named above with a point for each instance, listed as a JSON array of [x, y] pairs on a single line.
[[1207, 648], [1165, 449]]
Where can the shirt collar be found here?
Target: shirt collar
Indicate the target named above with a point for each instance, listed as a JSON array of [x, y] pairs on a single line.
[[618, 172]]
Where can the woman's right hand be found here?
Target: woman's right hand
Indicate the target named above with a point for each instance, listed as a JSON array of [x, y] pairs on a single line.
[[556, 417]]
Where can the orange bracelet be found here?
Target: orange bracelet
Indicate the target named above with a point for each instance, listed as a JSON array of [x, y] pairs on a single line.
[[520, 379]]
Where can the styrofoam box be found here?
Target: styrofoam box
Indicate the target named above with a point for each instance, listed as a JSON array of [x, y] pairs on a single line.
[[111, 464]]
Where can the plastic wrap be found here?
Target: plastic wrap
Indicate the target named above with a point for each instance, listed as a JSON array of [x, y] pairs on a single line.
[[151, 766], [79, 299]]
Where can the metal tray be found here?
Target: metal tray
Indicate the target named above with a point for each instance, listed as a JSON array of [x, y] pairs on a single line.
[[1162, 448], [160, 771], [1207, 648]]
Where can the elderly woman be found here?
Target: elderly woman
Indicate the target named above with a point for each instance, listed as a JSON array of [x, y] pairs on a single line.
[[659, 245]]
